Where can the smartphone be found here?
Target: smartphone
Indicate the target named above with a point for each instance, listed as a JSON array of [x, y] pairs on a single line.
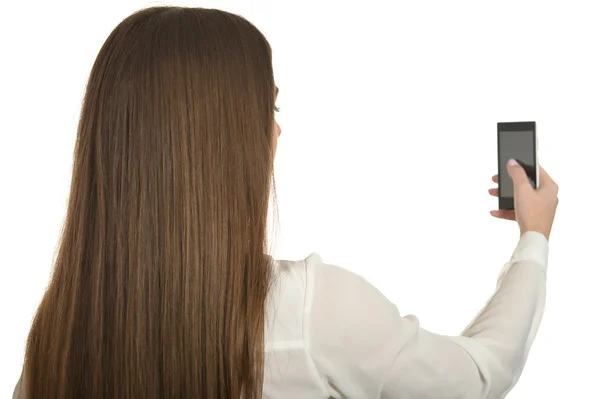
[[518, 141]]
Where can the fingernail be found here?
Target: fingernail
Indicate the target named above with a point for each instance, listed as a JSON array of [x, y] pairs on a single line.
[[512, 162]]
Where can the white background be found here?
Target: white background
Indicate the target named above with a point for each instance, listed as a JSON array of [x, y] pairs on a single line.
[[388, 111]]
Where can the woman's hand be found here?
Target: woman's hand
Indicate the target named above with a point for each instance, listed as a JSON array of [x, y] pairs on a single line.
[[534, 209]]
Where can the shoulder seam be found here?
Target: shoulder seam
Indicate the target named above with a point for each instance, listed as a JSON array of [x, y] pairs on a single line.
[[309, 293], [308, 300]]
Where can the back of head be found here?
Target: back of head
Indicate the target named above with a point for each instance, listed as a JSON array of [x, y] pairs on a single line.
[[161, 278]]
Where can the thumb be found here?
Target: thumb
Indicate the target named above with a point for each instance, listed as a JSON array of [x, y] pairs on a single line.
[[520, 179]]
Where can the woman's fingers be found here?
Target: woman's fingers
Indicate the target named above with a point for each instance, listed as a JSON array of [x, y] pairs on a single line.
[[502, 214]]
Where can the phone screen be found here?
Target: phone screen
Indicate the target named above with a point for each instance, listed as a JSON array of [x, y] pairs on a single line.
[[519, 145]]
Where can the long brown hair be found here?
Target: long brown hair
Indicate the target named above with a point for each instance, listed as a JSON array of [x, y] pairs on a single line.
[[161, 278]]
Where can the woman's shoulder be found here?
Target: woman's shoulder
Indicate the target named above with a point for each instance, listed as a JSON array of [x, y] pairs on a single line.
[[331, 288], [318, 274], [310, 265], [346, 322]]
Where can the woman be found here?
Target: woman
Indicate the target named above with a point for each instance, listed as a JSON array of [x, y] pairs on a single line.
[[162, 289]]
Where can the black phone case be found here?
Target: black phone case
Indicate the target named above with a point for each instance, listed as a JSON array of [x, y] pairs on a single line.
[[508, 203]]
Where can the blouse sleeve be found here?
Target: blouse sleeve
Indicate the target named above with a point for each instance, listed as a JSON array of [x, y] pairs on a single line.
[[362, 347]]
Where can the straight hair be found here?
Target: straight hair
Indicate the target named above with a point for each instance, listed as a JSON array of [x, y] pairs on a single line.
[[161, 276]]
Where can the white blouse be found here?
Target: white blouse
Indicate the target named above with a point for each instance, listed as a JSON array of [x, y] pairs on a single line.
[[332, 334]]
